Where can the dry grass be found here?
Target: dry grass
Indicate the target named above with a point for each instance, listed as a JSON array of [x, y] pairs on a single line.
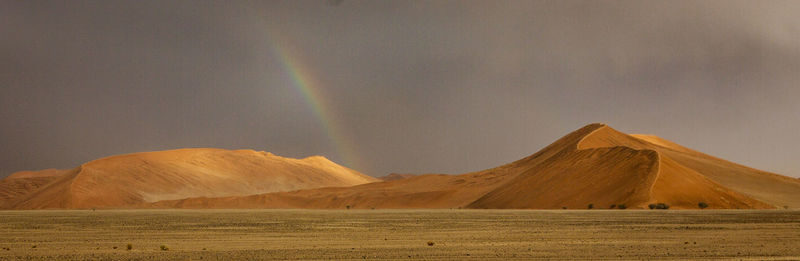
[[400, 234]]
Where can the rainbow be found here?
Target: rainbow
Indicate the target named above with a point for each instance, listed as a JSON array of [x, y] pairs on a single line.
[[309, 87]]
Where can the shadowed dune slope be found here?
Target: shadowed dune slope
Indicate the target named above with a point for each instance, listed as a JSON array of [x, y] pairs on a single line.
[[593, 165], [133, 179]]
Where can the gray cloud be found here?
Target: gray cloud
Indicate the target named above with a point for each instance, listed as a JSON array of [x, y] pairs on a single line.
[[445, 86]]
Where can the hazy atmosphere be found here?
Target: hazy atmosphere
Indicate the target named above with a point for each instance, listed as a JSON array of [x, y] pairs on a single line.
[[395, 86]]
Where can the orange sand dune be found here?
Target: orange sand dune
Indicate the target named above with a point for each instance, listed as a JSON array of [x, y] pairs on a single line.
[[609, 167], [133, 179], [593, 165]]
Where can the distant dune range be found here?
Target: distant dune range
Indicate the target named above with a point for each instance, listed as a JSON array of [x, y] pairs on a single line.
[[593, 165]]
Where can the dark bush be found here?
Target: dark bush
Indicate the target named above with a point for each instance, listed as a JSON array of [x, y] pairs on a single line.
[[702, 205], [129, 247], [622, 206], [651, 206], [612, 206], [591, 206], [662, 206]]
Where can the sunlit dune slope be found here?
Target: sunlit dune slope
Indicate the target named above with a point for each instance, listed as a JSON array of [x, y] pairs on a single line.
[[593, 165], [133, 179]]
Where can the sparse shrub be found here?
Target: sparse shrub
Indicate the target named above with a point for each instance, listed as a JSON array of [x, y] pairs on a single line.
[[651, 206], [612, 206], [591, 206], [662, 206], [164, 248], [702, 205], [129, 246], [430, 243], [34, 246], [622, 206]]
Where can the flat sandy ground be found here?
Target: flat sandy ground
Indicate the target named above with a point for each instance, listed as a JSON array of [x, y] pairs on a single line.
[[399, 234]]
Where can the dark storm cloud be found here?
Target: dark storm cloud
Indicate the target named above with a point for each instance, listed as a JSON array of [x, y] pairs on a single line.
[[421, 86]]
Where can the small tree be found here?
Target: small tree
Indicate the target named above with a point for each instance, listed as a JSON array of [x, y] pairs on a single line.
[[702, 205]]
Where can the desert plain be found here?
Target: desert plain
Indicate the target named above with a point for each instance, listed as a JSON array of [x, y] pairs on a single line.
[[453, 234]]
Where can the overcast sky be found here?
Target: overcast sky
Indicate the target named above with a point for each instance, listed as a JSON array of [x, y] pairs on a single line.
[[419, 87]]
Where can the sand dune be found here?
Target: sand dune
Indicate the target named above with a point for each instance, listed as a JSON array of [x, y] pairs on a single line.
[[133, 179], [593, 165], [609, 167], [24, 182]]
